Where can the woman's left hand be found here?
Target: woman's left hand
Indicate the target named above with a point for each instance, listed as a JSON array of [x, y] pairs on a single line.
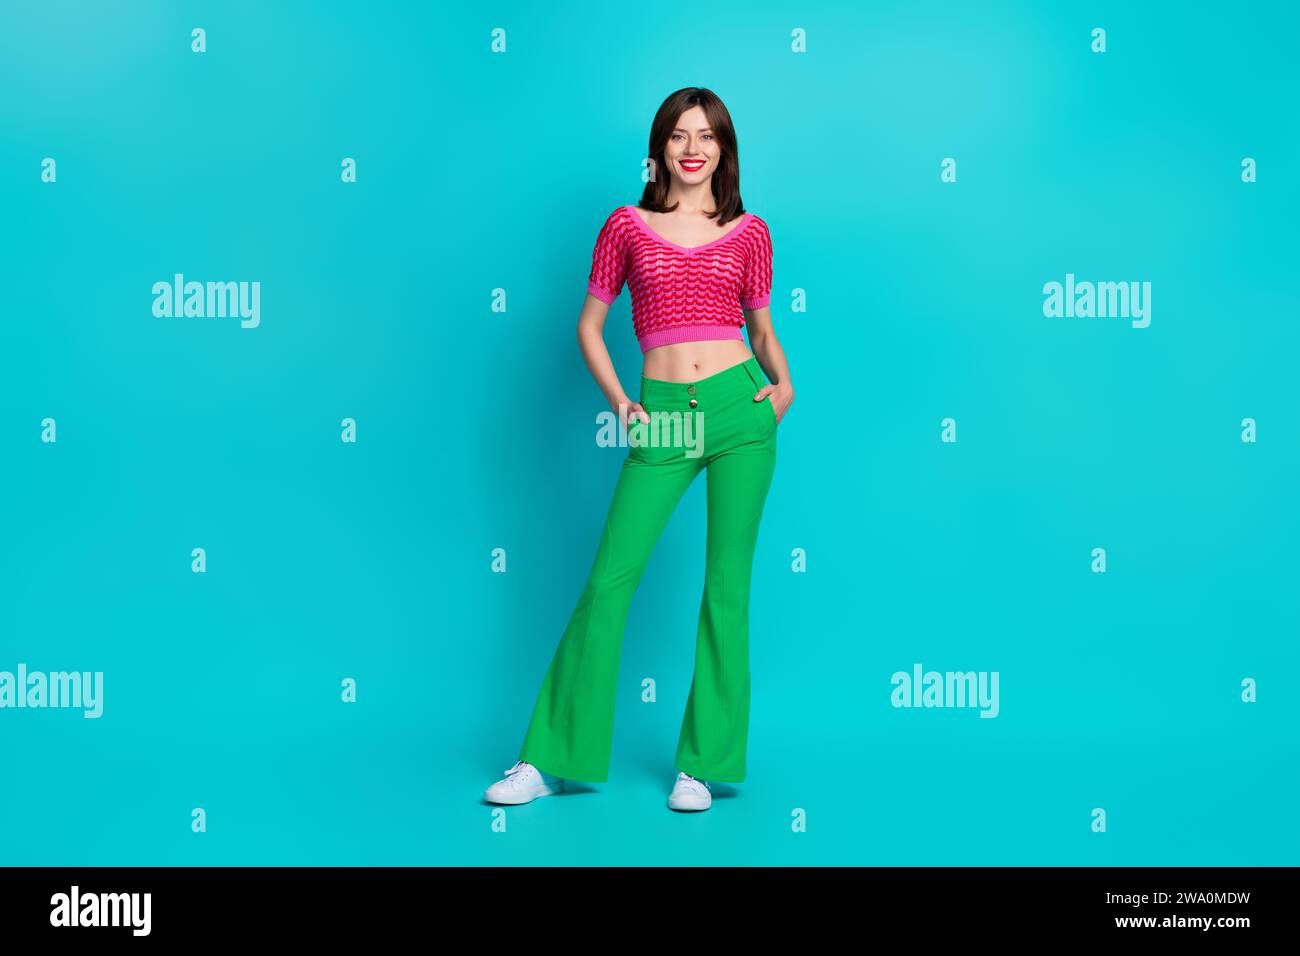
[[781, 396]]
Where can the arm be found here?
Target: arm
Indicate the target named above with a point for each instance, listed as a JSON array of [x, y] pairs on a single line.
[[755, 298], [767, 349], [609, 269], [591, 341]]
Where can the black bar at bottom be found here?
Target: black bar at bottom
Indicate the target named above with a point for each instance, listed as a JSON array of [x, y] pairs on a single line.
[[566, 904]]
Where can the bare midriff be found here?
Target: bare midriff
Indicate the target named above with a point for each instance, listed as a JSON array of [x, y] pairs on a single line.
[[692, 361]]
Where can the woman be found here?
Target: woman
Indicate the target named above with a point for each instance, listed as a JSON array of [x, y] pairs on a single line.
[[698, 268]]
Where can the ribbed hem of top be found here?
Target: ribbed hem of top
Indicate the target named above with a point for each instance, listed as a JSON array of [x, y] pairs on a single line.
[[689, 333], [759, 303], [600, 293]]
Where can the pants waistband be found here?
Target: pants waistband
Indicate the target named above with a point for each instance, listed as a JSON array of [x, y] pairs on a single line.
[[740, 380]]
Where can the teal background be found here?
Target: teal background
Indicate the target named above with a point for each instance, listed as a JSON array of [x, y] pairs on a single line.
[[476, 430]]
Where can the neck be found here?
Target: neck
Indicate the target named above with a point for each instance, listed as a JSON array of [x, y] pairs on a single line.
[[692, 200]]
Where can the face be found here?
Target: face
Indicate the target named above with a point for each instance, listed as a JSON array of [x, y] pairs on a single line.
[[692, 152]]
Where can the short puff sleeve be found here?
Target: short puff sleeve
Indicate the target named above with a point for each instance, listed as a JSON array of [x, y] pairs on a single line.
[[609, 259], [756, 280]]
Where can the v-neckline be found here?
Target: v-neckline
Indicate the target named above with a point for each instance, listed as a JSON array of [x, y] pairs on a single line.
[[744, 221]]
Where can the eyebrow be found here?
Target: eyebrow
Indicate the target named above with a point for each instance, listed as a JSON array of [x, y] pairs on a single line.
[[703, 129]]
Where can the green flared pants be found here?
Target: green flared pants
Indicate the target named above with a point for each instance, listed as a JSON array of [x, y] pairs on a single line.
[[712, 424]]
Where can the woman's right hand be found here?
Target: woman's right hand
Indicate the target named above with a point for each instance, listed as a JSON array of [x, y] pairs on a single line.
[[632, 412]]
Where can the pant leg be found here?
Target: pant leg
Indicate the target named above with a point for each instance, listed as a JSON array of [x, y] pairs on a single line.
[[571, 730], [715, 729]]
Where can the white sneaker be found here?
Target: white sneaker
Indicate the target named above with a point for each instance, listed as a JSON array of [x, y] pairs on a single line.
[[523, 782], [690, 793]]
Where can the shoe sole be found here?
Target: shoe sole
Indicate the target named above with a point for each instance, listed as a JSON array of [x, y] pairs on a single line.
[[687, 806], [545, 790]]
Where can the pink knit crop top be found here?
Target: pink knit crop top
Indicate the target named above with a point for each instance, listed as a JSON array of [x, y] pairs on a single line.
[[680, 293]]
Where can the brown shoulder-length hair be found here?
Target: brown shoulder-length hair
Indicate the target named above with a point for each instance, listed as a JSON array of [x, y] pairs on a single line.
[[726, 178]]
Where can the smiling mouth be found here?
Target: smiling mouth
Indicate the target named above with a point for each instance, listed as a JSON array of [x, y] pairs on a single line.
[[691, 165]]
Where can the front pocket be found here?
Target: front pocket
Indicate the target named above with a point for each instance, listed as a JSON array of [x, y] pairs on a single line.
[[764, 417], [657, 453]]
